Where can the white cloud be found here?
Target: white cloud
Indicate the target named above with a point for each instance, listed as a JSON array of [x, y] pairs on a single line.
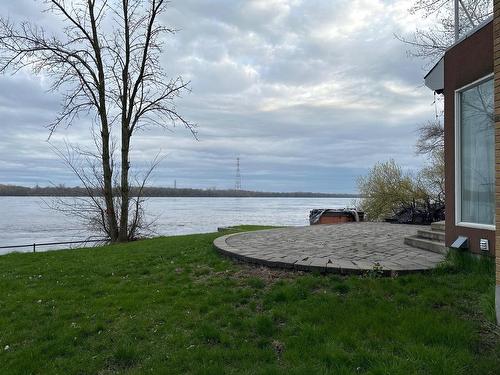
[[306, 91]]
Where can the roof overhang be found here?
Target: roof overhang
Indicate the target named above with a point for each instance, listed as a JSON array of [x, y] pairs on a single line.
[[435, 78]]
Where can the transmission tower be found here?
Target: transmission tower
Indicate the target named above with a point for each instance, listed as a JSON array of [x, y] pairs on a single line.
[[237, 185]]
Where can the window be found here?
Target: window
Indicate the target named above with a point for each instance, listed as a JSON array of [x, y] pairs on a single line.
[[476, 154]]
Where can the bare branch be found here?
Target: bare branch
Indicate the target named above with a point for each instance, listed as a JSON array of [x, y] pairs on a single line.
[[107, 65], [430, 43]]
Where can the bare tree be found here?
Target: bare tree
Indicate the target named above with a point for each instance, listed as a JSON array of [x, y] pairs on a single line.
[[431, 178], [430, 142], [86, 164], [430, 138], [431, 43], [106, 62]]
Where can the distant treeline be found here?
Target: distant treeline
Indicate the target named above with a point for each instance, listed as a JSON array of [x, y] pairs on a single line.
[[64, 191]]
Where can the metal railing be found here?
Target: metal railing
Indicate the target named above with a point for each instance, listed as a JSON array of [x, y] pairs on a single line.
[[35, 245]]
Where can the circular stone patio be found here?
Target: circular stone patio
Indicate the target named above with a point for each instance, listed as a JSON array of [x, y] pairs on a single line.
[[341, 248]]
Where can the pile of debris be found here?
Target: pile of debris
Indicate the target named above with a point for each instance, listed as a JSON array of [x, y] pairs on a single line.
[[419, 214]]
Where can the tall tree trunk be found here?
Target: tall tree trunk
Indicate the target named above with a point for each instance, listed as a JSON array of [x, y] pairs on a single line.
[[125, 189], [108, 181], [103, 115], [126, 134]]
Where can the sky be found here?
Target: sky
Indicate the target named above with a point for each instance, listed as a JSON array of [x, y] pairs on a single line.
[[309, 94]]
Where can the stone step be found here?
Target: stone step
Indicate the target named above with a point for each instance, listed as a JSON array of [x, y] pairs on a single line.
[[425, 244], [432, 235], [438, 226]]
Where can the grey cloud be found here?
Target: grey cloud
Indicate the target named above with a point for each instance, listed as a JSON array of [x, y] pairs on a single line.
[[308, 93]]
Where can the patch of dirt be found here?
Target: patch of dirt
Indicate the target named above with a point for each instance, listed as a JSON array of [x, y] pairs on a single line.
[[244, 271], [489, 332], [268, 275]]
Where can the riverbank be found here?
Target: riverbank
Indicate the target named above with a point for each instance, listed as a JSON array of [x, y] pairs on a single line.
[[31, 221], [152, 191], [173, 305]]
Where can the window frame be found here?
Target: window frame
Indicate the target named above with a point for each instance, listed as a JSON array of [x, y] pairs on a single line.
[[458, 172]]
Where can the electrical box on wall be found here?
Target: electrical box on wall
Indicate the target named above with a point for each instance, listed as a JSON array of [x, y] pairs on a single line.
[[484, 244]]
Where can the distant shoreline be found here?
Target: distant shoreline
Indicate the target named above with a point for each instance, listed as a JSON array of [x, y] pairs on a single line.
[[163, 192]]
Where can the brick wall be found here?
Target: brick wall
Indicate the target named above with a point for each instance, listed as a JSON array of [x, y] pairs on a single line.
[[464, 63], [496, 58], [496, 44]]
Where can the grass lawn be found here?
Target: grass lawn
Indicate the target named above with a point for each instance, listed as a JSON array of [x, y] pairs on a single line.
[[174, 306]]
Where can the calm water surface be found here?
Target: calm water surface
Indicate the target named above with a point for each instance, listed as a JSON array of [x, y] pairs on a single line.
[[25, 220]]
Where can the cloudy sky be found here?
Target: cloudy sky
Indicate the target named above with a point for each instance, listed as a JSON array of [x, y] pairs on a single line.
[[308, 93]]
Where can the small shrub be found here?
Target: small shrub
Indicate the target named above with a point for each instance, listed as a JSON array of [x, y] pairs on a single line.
[[377, 271]]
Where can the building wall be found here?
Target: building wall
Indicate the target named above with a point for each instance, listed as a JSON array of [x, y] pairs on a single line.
[[466, 62], [496, 37]]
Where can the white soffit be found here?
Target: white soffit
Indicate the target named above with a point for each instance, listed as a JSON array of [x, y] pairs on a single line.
[[435, 78]]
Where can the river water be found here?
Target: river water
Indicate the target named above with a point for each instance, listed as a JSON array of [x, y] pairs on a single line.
[[27, 220]]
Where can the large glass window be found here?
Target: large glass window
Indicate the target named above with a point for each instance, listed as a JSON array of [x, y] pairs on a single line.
[[477, 154]]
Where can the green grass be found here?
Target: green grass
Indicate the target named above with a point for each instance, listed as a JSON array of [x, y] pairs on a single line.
[[174, 306]]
